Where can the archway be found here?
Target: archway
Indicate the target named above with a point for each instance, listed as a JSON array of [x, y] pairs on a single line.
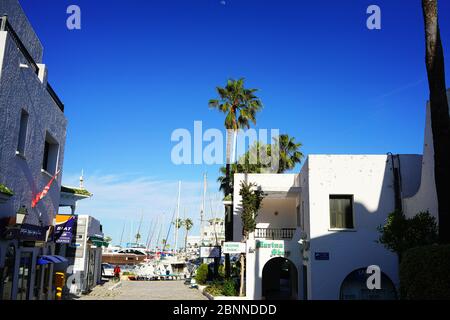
[[354, 287], [279, 280]]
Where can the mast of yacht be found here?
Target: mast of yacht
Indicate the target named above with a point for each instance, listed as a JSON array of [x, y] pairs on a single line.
[[121, 236], [177, 217], [202, 212]]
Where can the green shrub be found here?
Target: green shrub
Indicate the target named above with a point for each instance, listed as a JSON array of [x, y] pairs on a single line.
[[425, 273], [202, 274], [214, 289], [222, 271], [399, 234], [229, 288]]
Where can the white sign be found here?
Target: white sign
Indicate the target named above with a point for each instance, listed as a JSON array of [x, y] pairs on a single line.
[[234, 247], [210, 252]]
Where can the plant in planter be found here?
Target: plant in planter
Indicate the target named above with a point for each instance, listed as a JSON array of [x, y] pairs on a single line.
[[5, 193]]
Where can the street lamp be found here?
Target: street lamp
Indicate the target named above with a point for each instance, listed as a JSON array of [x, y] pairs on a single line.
[[21, 215]]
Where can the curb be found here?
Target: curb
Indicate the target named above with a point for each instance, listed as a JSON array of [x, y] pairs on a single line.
[[206, 294]]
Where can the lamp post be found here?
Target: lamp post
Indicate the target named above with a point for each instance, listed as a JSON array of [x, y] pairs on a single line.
[[21, 215]]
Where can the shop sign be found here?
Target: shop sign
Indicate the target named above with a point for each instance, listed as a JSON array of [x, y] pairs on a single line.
[[28, 232], [210, 252], [64, 228], [276, 247], [234, 247]]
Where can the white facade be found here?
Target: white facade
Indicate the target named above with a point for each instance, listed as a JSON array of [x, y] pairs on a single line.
[[86, 271], [296, 214]]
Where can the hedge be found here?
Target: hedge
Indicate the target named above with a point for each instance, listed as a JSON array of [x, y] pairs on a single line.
[[425, 273]]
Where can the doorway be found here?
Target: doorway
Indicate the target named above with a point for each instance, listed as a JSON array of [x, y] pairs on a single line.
[[280, 280]]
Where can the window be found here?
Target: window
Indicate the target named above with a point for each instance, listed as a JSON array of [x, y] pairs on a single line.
[[341, 212], [51, 150], [22, 132]]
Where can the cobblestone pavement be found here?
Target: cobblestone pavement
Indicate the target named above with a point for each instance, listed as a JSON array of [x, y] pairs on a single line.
[[145, 290]]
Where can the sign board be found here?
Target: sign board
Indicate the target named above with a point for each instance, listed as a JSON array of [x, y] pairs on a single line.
[[210, 252], [234, 247], [276, 247], [322, 255], [64, 228]]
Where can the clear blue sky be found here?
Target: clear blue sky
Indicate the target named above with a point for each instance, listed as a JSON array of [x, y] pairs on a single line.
[[139, 69]]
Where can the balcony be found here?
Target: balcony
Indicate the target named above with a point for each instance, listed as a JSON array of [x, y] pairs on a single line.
[[274, 234], [6, 26]]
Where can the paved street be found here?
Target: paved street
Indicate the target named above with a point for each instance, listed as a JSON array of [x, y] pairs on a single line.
[[145, 290]]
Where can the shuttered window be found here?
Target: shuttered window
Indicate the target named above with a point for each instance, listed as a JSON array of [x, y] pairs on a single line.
[[341, 212]]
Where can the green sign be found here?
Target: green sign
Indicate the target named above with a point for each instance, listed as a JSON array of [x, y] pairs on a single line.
[[277, 248]]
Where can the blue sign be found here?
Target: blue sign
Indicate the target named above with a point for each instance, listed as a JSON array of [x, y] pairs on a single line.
[[322, 255], [64, 231]]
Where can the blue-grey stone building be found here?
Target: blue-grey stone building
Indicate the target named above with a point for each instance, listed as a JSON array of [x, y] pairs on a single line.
[[32, 140]]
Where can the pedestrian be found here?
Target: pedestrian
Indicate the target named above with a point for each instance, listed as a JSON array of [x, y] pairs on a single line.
[[117, 273]]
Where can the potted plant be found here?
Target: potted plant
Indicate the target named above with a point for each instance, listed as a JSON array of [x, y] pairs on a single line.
[[5, 193]]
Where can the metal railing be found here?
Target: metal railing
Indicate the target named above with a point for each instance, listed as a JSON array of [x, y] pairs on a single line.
[[274, 234], [6, 26]]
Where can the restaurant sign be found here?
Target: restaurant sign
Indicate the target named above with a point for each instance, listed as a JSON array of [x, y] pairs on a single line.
[[26, 232], [234, 247], [276, 247]]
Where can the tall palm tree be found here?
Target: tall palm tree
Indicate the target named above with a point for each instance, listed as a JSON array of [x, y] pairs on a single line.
[[240, 106], [289, 152], [188, 224], [440, 119]]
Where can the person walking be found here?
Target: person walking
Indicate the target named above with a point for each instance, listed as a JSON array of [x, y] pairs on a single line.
[[117, 273]]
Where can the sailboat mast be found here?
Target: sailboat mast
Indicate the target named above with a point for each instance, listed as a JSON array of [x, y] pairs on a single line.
[[202, 212], [121, 236], [178, 216]]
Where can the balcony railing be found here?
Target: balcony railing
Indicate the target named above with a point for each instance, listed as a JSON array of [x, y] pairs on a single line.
[[6, 26], [275, 234]]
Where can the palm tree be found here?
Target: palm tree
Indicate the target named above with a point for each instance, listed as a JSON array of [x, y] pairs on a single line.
[[240, 106], [289, 152], [440, 120], [188, 224]]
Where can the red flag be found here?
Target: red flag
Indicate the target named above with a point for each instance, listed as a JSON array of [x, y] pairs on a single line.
[[44, 192]]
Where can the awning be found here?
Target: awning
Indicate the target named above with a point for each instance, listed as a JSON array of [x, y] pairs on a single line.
[[98, 242], [41, 261], [51, 259]]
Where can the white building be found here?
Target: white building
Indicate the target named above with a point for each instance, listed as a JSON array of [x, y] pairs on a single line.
[[86, 256], [212, 233], [317, 230], [32, 140]]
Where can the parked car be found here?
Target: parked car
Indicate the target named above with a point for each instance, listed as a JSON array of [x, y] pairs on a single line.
[[107, 270]]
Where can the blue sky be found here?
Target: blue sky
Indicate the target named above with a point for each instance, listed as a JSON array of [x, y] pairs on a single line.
[[137, 70]]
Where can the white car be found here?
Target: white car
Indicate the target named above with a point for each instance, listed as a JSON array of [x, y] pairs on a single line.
[[107, 270]]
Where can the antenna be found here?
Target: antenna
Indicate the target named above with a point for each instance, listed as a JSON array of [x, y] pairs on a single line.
[[82, 179]]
